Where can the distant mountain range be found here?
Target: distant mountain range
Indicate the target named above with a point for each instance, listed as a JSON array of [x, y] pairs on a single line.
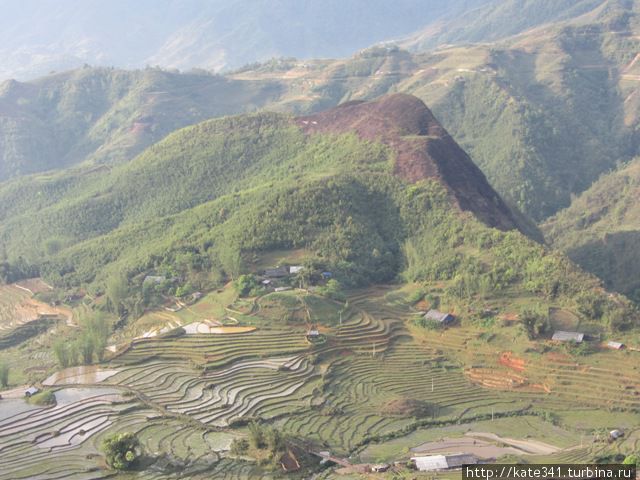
[[37, 37]]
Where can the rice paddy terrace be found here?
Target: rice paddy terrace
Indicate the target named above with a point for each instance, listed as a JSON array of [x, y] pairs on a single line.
[[188, 396]]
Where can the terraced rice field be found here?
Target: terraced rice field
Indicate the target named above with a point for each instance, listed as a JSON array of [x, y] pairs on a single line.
[[607, 380], [185, 397]]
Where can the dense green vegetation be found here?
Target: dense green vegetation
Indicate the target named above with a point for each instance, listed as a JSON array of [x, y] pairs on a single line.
[[121, 450], [108, 116], [257, 183], [601, 229]]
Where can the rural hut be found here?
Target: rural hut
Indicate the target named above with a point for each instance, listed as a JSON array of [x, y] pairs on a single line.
[[615, 345], [31, 391], [615, 434], [443, 462], [154, 279], [440, 317], [562, 336], [293, 269], [278, 272], [380, 468]]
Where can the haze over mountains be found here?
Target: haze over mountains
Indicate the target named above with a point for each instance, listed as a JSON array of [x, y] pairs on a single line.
[[37, 37]]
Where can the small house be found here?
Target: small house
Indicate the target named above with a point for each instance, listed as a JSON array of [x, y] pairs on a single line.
[[562, 336], [431, 463], [615, 345], [380, 468], [31, 391], [293, 269], [278, 272], [282, 289], [443, 462], [327, 275], [615, 434], [460, 459], [196, 296], [154, 279], [440, 317], [313, 333], [289, 462]]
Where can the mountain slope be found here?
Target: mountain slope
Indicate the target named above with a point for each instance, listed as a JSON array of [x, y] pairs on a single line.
[[601, 229], [373, 192], [36, 37], [259, 155], [423, 149], [107, 116], [498, 20]]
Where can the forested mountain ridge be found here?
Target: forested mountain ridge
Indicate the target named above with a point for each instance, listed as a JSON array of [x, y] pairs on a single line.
[[108, 116], [543, 113], [371, 191], [601, 229]]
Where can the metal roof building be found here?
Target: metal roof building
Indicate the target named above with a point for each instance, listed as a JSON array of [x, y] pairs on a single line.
[[615, 345], [444, 462], [439, 316], [562, 336]]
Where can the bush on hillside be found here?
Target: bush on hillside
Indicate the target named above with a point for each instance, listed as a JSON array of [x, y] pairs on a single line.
[[122, 450]]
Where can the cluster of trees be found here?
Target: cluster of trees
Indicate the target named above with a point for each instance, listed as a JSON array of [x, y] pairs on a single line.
[[260, 438], [122, 450], [17, 270], [88, 344]]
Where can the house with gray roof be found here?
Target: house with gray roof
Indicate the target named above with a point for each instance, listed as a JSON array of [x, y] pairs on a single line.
[[562, 336], [440, 317]]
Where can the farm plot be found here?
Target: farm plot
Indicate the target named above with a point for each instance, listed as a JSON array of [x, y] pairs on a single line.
[[556, 379], [212, 351], [54, 442], [23, 317], [359, 389], [248, 388]]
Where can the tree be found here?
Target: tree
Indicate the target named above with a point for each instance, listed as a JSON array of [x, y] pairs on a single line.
[[239, 446], [333, 290], [61, 351], [633, 459], [534, 323], [122, 450], [256, 435], [86, 348], [230, 258], [4, 374], [245, 284], [117, 291]]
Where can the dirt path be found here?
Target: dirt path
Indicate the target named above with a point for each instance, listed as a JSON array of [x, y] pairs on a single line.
[[528, 446]]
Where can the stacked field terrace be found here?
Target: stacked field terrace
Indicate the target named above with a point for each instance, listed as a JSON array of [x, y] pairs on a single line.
[[606, 379], [212, 351], [247, 388], [378, 378]]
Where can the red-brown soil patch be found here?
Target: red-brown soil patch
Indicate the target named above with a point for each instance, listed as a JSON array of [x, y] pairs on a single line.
[[508, 360]]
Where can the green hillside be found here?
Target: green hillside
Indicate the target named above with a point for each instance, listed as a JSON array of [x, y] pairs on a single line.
[[159, 262], [500, 19], [397, 198], [108, 116], [543, 113], [601, 229]]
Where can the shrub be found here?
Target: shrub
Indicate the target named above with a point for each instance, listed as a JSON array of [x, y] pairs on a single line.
[[122, 450], [4, 374], [43, 398]]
